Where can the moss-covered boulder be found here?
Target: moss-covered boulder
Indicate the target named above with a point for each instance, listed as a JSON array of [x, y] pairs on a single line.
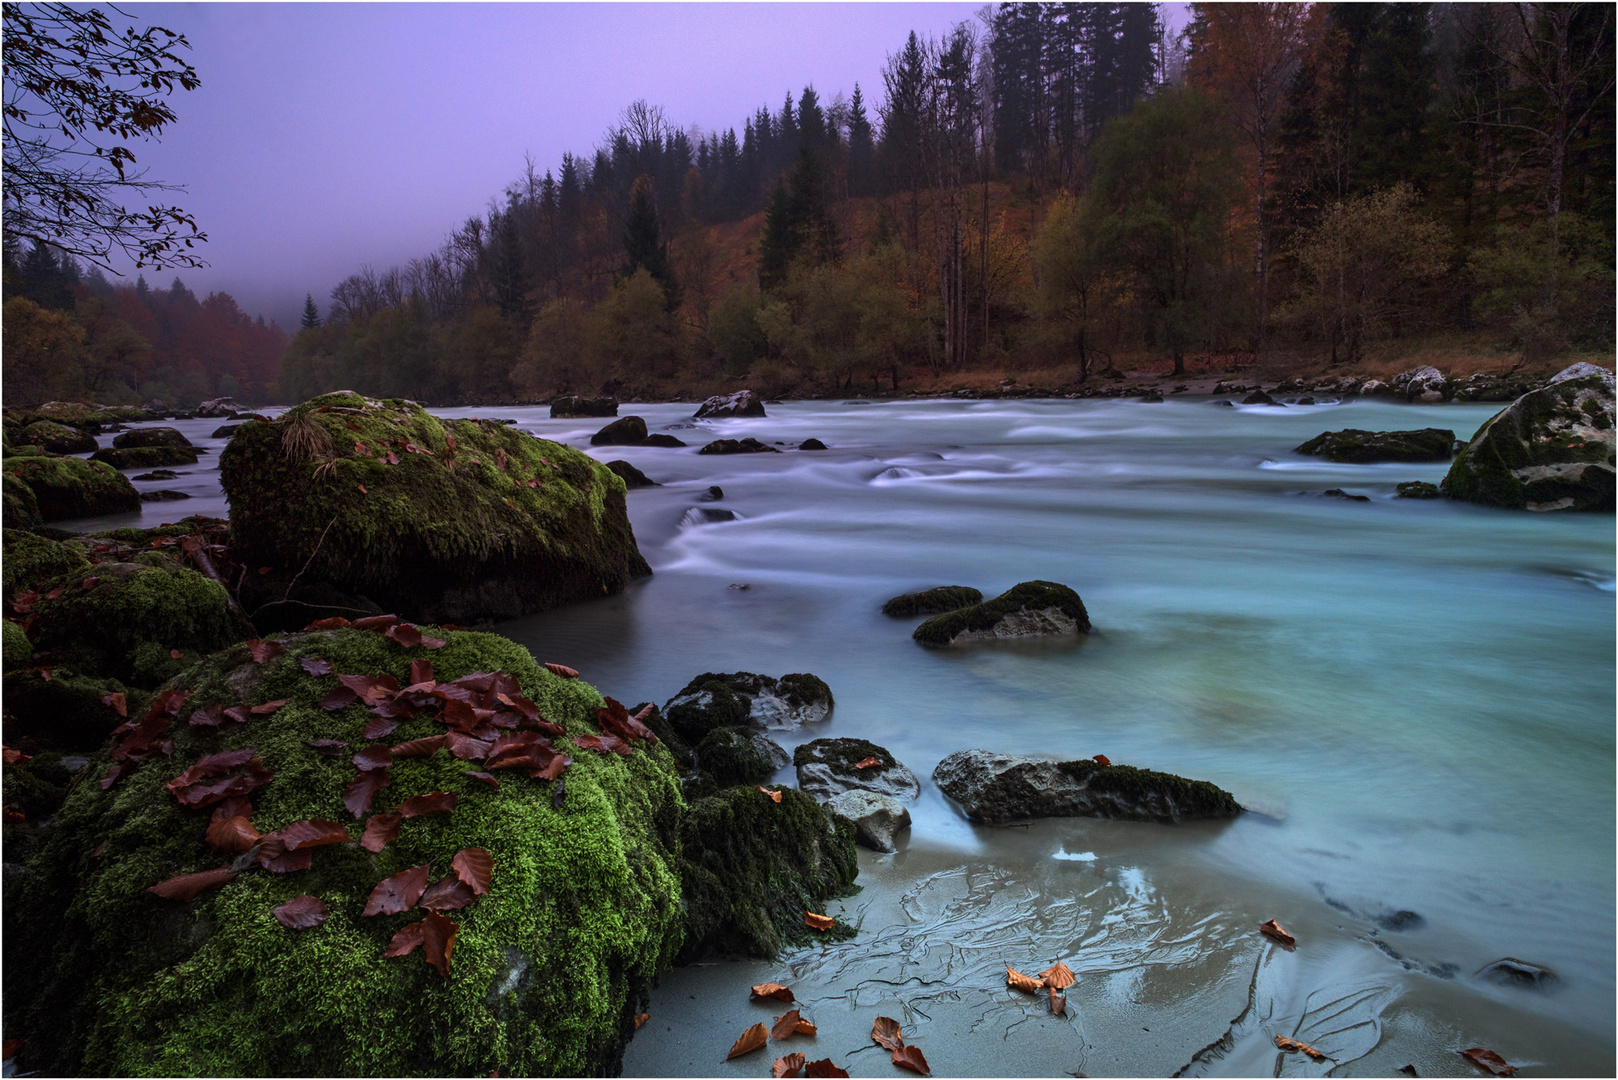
[[829, 767], [1032, 609], [80, 415], [146, 457], [933, 601], [61, 709], [20, 509], [737, 755], [748, 445], [548, 969], [19, 651], [452, 520], [1362, 447], [994, 787], [34, 788], [29, 559], [743, 699], [57, 438], [754, 865], [1552, 449], [1417, 489], [624, 431], [70, 487], [150, 436]]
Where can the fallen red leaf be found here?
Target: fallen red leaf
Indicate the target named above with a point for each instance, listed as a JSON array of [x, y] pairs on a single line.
[[338, 697], [1026, 983], [1488, 1059], [265, 651], [361, 489], [399, 893], [239, 713], [434, 802], [1058, 1003], [438, 941], [886, 1034], [484, 778], [375, 756], [274, 856], [232, 835], [312, 832], [380, 831], [314, 665], [773, 990], [208, 716], [357, 795], [775, 796], [449, 894], [563, 670], [787, 1066], [417, 748], [818, 922], [336, 622], [328, 747], [1101, 759], [1294, 1046], [1273, 929], [371, 689], [406, 940], [14, 757], [13, 815], [551, 772], [605, 744], [9, 1048], [186, 887], [375, 622], [866, 763], [301, 913], [174, 654], [268, 707], [753, 1038], [1058, 976], [910, 1057], [404, 634], [823, 1068], [89, 583], [640, 1020], [785, 1025], [379, 727], [119, 703], [475, 867]]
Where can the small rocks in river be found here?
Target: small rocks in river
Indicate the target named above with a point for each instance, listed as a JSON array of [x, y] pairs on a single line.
[[1355, 446], [1259, 397], [811, 444], [159, 474], [1374, 388], [933, 601], [631, 476], [748, 445], [707, 515], [1513, 972], [1305, 401], [1225, 403], [713, 494], [1152, 395], [994, 787], [829, 767], [1418, 489], [739, 755], [165, 495], [1031, 609], [741, 403], [575, 406], [876, 817], [1339, 493], [625, 431], [742, 698], [1425, 384], [666, 441]]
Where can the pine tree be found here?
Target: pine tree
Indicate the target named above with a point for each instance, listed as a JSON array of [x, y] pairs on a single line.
[[643, 242], [311, 314], [859, 145]]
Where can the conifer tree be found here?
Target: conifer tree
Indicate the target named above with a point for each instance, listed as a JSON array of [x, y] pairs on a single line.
[[643, 242], [311, 314], [859, 145]]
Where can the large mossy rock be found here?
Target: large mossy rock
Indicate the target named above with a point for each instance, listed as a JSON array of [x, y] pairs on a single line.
[[20, 509], [68, 712], [743, 699], [1032, 609], [994, 787], [57, 438], [29, 559], [70, 487], [437, 520], [548, 969], [737, 755], [1552, 449], [80, 415], [1362, 447]]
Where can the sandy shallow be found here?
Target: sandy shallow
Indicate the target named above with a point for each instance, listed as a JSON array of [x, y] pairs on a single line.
[[1173, 977]]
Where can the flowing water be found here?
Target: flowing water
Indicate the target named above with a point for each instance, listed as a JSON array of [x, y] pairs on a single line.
[[1417, 697]]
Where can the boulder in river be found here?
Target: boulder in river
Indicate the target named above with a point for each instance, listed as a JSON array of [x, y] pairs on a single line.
[[811, 444], [661, 440], [933, 601], [146, 457], [748, 445], [625, 431], [435, 520], [1418, 489], [631, 476], [829, 767], [741, 403], [573, 406], [1032, 609], [1259, 397], [743, 699], [225, 431], [1551, 449], [1424, 384], [1361, 447], [69, 487], [877, 818], [994, 787], [1152, 396], [739, 755], [1339, 493], [57, 438], [150, 436], [222, 408]]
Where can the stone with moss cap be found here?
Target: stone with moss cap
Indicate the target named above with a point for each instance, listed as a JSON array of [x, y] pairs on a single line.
[[548, 971], [574, 406], [57, 438], [829, 767], [736, 755], [146, 457], [1355, 446], [1032, 609], [18, 649], [70, 487], [66, 712], [20, 509], [933, 601], [994, 787], [30, 559], [743, 699], [453, 520]]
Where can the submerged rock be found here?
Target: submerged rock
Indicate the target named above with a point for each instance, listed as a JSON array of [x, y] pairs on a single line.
[[1259, 397], [933, 601], [994, 787], [659, 439], [739, 755], [625, 431], [159, 474], [452, 520], [741, 403], [1339, 493], [57, 438], [811, 444], [826, 769], [1418, 489], [1032, 609], [163, 495], [1510, 971], [225, 431], [1152, 395], [575, 406], [1359, 447], [631, 476], [1552, 449], [748, 445], [743, 699], [877, 818], [69, 487]]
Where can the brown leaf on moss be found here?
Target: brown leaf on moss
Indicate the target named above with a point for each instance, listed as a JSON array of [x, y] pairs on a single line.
[[338, 697], [1058, 976], [315, 666], [910, 1057], [790, 1065], [775, 796], [1101, 759], [399, 893], [824, 1068], [265, 651], [328, 747], [118, 702], [404, 634], [371, 688], [273, 856], [417, 748], [187, 887], [483, 778], [373, 757], [14, 757], [1026, 983], [449, 894], [232, 836], [614, 719], [360, 790], [786, 1025], [866, 763], [312, 832], [406, 941], [301, 912], [563, 670], [380, 831], [379, 727], [753, 1038], [438, 940], [1292, 1046], [551, 772], [773, 990], [268, 707], [336, 622], [605, 744], [375, 622], [1275, 930], [434, 802], [421, 671], [886, 1034], [474, 866], [208, 716], [818, 922], [239, 713], [1488, 1059]]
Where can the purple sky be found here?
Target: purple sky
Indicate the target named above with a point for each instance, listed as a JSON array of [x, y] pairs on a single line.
[[327, 136]]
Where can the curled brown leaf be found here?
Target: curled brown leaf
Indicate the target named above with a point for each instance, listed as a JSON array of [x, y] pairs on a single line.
[[773, 990], [399, 893], [910, 1057], [186, 887], [753, 1038], [301, 912], [1276, 931], [1026, 983], [1058, 976], [790, 1065], [886, 1034]]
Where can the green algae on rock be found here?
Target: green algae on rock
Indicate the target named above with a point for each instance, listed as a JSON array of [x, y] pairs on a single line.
[[1354, 446], [30, 559], [743, 699], [933, 601], [458, 520], [70, 487], [1418, 489], [1033, 608], [549, 968]]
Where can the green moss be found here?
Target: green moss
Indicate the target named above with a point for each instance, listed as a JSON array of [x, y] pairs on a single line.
[[18, 650], [499, 524], [20, 509], [30, 559], [146, 457], [666, 734], [56, 438], [78, 414], [843, 754], [548, 969], [1192, 798], [716, 706], [753, 866], [801, 688], [1418, 489], [1030, 595], [735, 755], [69, 487], [933, 601], [65, 712], [36, 787]]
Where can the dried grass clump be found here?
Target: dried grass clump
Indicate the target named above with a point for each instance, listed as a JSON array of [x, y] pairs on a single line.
[[304, 439]]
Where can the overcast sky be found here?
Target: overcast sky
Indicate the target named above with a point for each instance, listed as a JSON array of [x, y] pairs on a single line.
[[327, 136]]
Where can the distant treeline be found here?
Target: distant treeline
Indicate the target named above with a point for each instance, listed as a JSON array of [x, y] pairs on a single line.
[[70, 334], [1051, 183]]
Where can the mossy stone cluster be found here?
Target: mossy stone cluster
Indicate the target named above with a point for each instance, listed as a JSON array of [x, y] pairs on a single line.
[[437, 520], [1030, 596], [57, 438], [1355, 446], [841, 755], [63, 488], [146, 457], [933, 601], [734, 755], [548, 970]]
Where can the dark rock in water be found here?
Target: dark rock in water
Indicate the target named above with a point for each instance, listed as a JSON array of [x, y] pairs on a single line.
[[748, 445], [739, 755], [1259, 397], [811, 444], [224, 408], [159, 474], [225, 432], [707, 515], [826, 768], [575, 406], [1032, 609], [1424, 384], [713, 494], [165, 495], [1359, 447], [743, 699], [1153, 395], [61, 488], [659, 439], [1552, 449], [625, 431], [741, 403], [1305, 401], [1339, 493], [150, 436], [631, 476], [877, 818], [1418, 489], [1513, 972], [56, 438], [933, 601], [146, 457], [1225, 403], [999, 787]]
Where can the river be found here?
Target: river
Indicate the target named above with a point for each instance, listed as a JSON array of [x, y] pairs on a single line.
[[1416, 696]]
